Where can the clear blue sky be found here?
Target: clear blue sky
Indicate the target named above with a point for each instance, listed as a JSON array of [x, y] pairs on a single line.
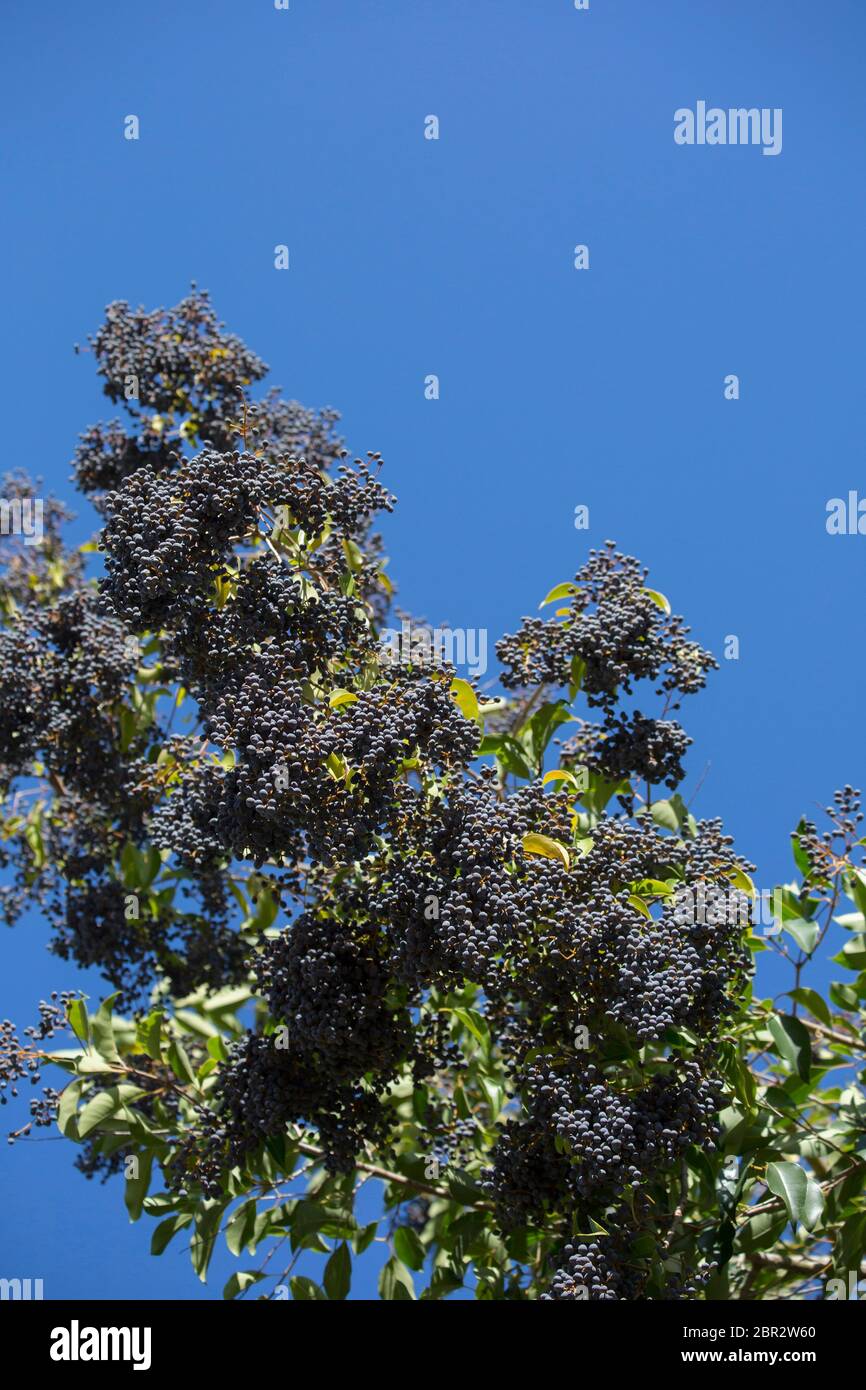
[[454, 257]]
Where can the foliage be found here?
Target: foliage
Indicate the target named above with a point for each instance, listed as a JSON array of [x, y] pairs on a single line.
[[365, 925]]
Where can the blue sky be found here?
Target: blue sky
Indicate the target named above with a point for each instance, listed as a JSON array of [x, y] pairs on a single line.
[[455, 257]]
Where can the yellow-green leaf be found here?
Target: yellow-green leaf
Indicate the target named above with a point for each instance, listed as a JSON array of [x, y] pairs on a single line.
[[658, 599], [337, 698], [565, 590], [544, 845], [742, 881], [465, 697], [559, 774], [337, 767]]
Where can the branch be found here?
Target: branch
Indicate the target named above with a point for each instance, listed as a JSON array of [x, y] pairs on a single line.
[[398, 1179]]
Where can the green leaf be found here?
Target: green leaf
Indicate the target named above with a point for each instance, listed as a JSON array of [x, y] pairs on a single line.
[[812, 1000], [576, 675], [843, 996], [813, 1206], [664, 815], [201, 1246], [788, 1181], [673, 814], [560, 774], [363, 1239], [180, 1063], [240, 1281], [852, 1241], [793, 1042], [408, 1247], [395, 1281], [804, 933], [338, 1273], [68, 1107], [474, 1022], [310, 1220], [128, 727], [354, 557], [654, 888], [240, 1228], [33, 836], [509, 753], [444, 1281], [148, 1034], [639, 905], [739, 879], [857, 882], [338, 767], [306, 1290], [420, 1102], [102, 1030], [167, 1229], [851, 921], [853, 953], [537, 732], [91, 1064], [78, 1020], [104, 1106], [801, 858], [463, 1188], [136, 1188], [761, 1231]]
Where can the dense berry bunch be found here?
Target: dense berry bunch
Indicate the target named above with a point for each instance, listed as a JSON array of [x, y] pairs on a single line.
[[328, 984], [168, 351], [263, 1089], [615, 628], [171, 538], [596, 1271], [309, 778], [626, 746], [103, 926], [64, 670], [183, 382], [106, 456]]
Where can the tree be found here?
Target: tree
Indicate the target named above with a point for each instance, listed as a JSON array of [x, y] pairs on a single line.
[[363, 923]]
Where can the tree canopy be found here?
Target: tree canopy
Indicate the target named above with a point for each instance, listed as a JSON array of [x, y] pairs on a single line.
[[362, 922]]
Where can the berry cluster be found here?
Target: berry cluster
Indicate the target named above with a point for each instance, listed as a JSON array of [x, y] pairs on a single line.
[[614, 632], [22, 1061], [630, 745], [184, 381], [252, 578], [616, 627]]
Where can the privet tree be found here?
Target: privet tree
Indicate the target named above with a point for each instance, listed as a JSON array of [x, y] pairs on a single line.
[[362, 924]]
